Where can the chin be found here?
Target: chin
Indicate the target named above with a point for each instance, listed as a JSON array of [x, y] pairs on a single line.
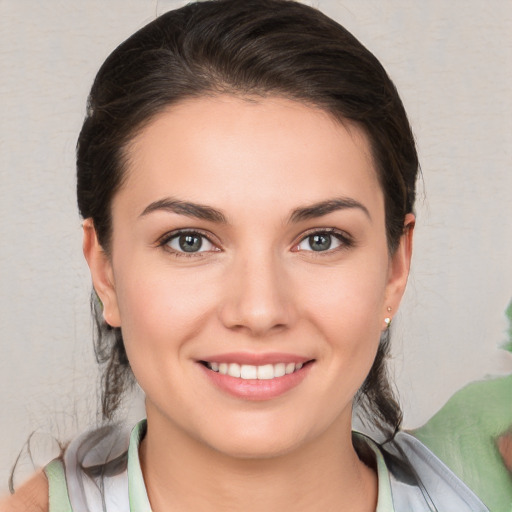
[[263, 439], [263, 446]]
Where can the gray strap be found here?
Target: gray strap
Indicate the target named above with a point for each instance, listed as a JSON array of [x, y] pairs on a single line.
[[418, 476]]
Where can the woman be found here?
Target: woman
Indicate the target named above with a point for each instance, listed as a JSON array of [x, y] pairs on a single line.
[[246, 175]]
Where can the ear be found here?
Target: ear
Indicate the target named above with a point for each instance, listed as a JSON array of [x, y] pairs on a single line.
[[399, 265], [101, 273]]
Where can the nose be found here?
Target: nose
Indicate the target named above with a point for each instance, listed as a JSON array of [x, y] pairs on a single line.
[[258, 296]]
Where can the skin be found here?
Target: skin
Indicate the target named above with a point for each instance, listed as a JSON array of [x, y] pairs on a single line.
[[504, 444], [31, 496], [257, 287]]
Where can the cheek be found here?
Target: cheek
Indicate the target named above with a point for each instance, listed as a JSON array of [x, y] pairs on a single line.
[[162, 316], [345, 298], [160, 308], [345, 308]]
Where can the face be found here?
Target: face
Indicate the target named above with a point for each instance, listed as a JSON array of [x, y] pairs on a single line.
[[249, 272]]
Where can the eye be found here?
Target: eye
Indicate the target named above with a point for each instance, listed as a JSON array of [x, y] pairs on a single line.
[[188, 242], [322, 241]]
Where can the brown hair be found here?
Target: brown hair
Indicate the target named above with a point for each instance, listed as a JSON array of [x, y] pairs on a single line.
[[250, 47]]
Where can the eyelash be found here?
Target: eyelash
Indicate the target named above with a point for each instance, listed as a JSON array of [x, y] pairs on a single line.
[[346, 241], [168, 237]]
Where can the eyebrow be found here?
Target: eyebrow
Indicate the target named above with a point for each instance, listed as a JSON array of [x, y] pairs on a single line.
[[326, 207], [203, 212], [198, 211]]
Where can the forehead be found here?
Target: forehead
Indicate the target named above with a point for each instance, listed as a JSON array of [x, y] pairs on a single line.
[[218, 149]]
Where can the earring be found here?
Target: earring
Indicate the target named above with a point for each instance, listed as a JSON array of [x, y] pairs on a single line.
[[387, 320]]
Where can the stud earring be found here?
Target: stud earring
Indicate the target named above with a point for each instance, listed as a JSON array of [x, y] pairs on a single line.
[[387, 320]]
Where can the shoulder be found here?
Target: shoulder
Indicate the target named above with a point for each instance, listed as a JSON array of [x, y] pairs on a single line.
[[32, 495]]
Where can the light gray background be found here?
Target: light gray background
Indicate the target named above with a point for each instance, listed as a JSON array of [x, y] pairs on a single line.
[[452, 63]]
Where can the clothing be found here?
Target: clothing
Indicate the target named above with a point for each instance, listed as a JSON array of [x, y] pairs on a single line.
[[464, 435], [411, 478]]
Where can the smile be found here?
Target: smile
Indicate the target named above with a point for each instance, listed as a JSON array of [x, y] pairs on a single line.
[[256, 376], [251, 372]]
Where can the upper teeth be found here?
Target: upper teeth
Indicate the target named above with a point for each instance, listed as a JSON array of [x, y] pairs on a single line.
[[248, 371]]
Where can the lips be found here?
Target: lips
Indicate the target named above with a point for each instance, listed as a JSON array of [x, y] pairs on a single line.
[[256, 376]]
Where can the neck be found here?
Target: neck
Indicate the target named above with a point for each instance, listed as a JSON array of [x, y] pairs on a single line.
[[325, 474]]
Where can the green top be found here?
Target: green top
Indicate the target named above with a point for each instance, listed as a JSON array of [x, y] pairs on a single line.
[[463, 435]]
